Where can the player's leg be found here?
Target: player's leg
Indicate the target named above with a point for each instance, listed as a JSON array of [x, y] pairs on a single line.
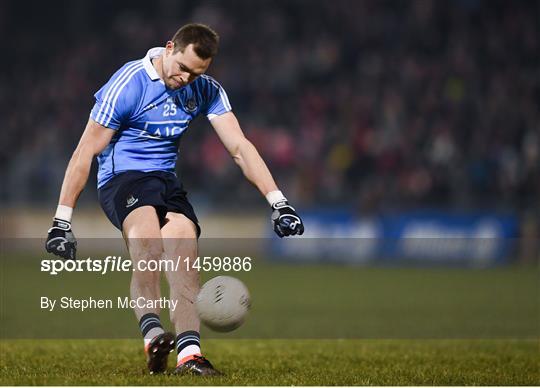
[[143, 238], [180, 241], [134, 202], [141, 229]]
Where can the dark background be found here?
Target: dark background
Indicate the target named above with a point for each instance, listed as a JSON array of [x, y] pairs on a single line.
[[370, 105]]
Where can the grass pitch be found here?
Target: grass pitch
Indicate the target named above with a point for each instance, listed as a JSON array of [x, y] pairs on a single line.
[[309, 325], [298, 302], [280, 362]]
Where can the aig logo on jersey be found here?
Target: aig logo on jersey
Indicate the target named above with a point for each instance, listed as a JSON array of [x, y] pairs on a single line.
[[158, 130], [187, 100]]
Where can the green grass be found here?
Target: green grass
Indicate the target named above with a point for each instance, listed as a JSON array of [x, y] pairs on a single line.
[[280, 362], [309, 325], [308, 301]]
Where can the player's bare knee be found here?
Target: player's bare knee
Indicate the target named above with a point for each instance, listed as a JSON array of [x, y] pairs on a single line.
[[146, 257], [152, 249], [146, 249], [182, 226]]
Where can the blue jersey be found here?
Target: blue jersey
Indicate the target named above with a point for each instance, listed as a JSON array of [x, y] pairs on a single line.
[[148, 118]]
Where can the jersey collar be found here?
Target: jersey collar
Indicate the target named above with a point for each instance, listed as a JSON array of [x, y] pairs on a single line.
[[147, 63]]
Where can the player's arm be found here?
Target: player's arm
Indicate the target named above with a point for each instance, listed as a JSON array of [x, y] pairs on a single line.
[[93, 140], [285, 219], [60, 239]]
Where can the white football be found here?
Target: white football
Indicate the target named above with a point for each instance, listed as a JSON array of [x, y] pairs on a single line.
[[223, 303]]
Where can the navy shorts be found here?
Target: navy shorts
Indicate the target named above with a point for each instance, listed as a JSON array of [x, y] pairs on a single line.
[[132, 189]]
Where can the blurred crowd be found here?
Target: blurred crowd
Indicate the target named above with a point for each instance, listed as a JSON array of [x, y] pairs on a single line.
[[366, 103]]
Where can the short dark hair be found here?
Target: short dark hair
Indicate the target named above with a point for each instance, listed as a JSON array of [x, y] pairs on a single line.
[[205, 40]]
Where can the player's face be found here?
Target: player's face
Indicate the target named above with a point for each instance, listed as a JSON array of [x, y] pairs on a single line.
[[182, 68]]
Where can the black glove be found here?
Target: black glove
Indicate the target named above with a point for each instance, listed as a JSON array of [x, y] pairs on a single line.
[[61, 241], [285, 220]]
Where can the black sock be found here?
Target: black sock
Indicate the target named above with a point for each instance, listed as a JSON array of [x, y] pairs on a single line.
[[150, 326], [185, 339]]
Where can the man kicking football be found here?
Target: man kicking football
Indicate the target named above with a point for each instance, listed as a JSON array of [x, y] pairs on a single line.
[[134, 130]]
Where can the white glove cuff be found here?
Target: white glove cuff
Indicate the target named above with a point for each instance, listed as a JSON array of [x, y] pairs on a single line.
[[64, 213], [274, 197]]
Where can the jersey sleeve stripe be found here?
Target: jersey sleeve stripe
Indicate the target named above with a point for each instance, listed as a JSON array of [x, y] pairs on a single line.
[[117, 93], [111, 89], [225, 99], [109, 109], [223, 96]]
